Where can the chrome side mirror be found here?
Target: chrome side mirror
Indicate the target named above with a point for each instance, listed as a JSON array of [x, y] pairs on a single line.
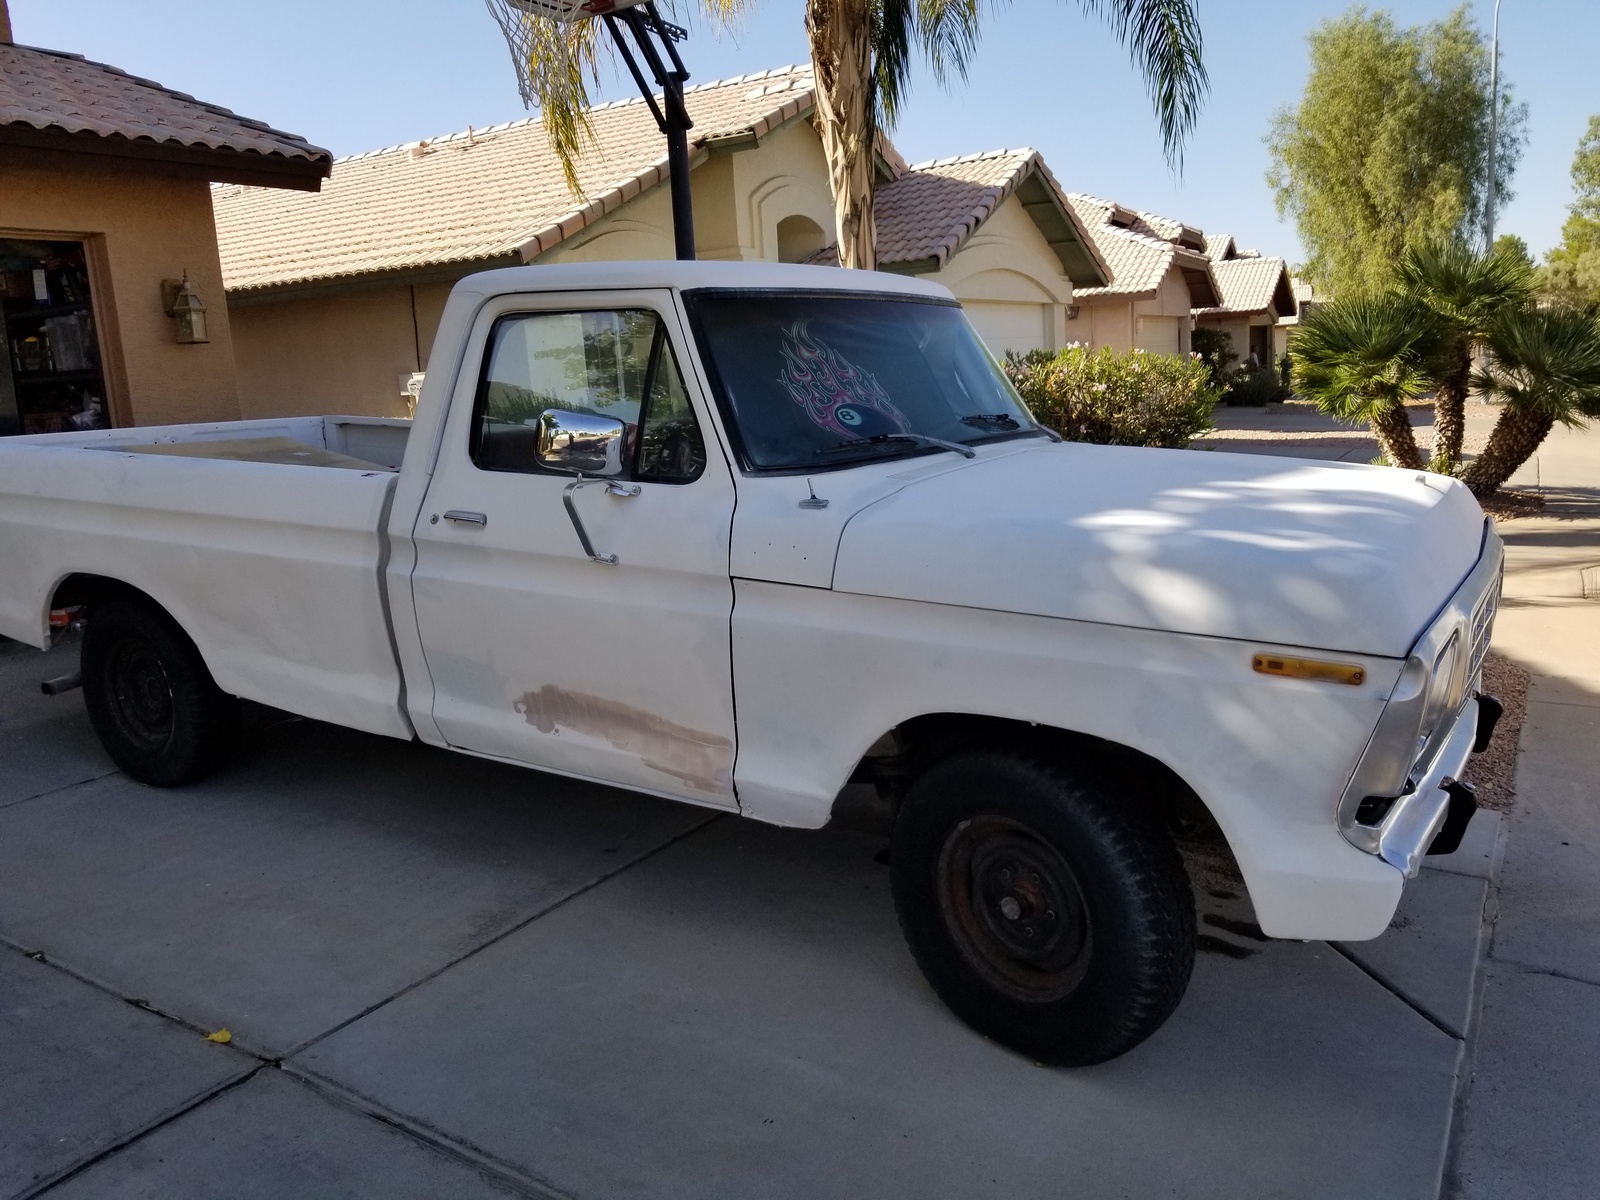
[[580, 443]]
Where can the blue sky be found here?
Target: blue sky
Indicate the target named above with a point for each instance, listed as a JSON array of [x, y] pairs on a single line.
[[356, 75]]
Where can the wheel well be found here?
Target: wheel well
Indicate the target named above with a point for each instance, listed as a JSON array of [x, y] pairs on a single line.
[[910, 748], [88, 590], [76, 596]]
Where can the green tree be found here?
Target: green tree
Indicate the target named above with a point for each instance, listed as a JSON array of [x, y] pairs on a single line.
[[1466, 291], [863, 53], [1388, 146], [1544, 366], [1362, 356], [1572, 270], [1513, 248]]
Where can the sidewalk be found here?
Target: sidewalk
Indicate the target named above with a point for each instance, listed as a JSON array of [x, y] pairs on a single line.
[[1530, 1121]]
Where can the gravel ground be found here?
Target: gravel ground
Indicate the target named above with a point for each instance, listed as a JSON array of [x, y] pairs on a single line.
[[1493, 772], [1300, 423]]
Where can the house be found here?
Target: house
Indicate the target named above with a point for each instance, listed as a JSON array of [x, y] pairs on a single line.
[[1257, 299], [105, 211], [334, 298], [997, 230], [1160, 273]]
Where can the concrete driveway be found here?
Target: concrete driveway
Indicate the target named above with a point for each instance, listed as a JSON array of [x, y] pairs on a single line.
[[448, 977]]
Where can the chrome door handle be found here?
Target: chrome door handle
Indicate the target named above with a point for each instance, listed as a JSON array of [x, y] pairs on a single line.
[[466, 518], [612, 488]]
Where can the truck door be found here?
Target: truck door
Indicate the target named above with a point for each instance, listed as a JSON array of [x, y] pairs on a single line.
[[571, 581]]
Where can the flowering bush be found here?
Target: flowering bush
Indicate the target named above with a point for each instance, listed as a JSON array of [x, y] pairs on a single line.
[[1133, 399]]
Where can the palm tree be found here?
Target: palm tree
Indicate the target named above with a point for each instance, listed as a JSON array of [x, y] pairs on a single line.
[[862, 53], [1362, 357], [1544, 365], [1466, 290]]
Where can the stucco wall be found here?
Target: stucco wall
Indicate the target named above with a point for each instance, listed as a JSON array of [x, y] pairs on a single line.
[[141, 228], [1131, 324], [344, 350], [1011, 282]]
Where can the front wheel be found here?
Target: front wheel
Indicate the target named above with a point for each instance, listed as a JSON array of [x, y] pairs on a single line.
[[150, 697], [1050, 912]]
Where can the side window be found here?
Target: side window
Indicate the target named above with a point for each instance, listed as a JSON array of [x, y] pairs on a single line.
[[670, 446], [616, 364]]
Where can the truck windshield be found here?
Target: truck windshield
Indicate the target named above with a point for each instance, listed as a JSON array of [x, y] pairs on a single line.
[[812, 381]]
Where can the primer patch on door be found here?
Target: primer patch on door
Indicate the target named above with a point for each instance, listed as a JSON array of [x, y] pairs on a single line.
[[704, 761]]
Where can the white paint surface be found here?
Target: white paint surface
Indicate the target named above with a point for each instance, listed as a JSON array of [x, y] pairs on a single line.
[[1114, 592]]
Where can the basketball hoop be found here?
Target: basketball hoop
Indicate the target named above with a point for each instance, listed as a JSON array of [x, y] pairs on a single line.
[[537, 32], [568, 12]]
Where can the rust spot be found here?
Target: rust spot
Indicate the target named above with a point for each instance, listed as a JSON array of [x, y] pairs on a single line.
[[704, 761]]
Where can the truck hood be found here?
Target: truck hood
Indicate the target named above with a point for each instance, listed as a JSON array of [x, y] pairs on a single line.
[[1333, 556]]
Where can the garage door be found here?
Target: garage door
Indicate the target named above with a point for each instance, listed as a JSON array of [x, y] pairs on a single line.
[[1003, 327], [1159, 335]]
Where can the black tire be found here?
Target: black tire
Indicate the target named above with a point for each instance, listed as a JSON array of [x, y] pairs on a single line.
[[151, 700], [1050, 912]]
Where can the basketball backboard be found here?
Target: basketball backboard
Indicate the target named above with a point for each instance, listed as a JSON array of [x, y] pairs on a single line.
[[570, 11]]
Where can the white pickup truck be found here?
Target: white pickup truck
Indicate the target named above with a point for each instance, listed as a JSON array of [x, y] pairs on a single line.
[[743, 534]]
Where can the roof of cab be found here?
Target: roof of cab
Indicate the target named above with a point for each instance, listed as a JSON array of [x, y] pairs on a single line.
[[685, 276]]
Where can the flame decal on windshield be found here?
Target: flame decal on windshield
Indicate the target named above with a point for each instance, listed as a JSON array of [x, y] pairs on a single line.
[[835, 394]]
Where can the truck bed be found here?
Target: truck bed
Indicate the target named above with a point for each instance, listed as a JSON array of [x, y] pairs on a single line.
[[264, 539]]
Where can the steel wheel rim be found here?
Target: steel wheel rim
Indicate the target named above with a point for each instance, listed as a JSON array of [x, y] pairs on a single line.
[[142, 704], [1014, 908]]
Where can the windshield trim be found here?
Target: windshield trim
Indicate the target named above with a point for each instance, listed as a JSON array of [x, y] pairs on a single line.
[[730, 422]]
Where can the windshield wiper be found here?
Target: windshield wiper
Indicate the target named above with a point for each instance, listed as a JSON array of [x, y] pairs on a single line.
[[1007, 422], [911, 439]]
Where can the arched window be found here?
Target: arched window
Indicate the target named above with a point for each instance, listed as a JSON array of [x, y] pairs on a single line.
[[798, 239]]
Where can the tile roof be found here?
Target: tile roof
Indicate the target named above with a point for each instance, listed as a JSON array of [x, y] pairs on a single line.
[[1252, 285], [482, 194], [1220, 246], [53, 93], [1139, 254], [930, 211]]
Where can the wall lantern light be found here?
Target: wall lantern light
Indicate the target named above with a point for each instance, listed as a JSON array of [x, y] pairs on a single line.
[[182, 302]]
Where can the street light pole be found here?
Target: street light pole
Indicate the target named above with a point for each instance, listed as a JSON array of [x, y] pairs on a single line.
[[1494, 129]]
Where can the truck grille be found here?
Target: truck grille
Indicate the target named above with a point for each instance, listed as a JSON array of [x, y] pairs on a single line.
[[1483, 628]]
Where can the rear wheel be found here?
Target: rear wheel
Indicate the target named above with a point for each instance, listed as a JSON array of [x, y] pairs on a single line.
[[1050, 912], [150, 697]]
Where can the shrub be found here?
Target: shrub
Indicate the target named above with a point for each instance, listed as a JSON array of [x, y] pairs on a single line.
[[1112, 399], [1253, 387], [1215, 348]]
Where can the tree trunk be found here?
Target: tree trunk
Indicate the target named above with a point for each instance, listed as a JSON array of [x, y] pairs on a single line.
[[841, 55], [1517, 434], [1449, 412], [1392, 427]]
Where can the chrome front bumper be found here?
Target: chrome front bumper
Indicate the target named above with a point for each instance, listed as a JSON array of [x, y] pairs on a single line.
[[1408, 829]]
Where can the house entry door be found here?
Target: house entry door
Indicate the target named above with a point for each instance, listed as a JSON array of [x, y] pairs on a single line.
[[51, 380]]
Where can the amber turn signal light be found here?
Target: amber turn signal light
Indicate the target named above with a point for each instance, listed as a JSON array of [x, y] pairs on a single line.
[[1310, 668]]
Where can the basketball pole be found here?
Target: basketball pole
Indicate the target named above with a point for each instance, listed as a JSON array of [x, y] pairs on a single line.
[[647, 27]]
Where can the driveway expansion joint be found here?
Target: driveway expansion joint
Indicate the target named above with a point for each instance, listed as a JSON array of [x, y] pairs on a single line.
[[1397, 993], [128, 1139], [99, 985], [501, 936], [56, 791], [441, 1143]]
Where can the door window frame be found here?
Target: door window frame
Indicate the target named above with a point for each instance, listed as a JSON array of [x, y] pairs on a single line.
[[661, 347], [455, 431]]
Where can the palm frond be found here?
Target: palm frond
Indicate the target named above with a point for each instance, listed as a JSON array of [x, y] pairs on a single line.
[[1361, 353], [946, 31], [1164, 39], [557, 63], [1464, 286], [1544, 360]]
